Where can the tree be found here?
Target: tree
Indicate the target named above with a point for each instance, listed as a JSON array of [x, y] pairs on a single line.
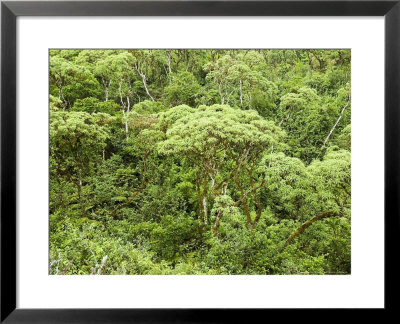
[[77, 140], [330, 181], [97, 63], [118, 69], [287, 186], [71, 81], [144, 59], [182, 90], [141, 146], [219, 73], [212, 138]]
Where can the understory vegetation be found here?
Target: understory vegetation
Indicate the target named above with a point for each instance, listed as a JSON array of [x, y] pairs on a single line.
[[200, 162]]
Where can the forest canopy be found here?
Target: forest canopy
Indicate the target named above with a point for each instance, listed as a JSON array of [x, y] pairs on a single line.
[[200, 162]]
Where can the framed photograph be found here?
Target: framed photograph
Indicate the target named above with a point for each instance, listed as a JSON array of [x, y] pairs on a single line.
[[190, 161]]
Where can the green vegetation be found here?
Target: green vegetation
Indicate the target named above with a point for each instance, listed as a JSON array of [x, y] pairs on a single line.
[[200, 162]]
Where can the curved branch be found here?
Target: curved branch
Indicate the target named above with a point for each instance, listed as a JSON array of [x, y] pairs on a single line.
[[129, 201], [306, 225]]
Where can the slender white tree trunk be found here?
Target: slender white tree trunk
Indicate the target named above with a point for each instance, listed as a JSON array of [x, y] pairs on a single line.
[[107, 86], [249, 96], [336, 123], [61, 97], [241, 92], [144, 80], [145, 86], [103, 263], [205, 210], [169, 62]]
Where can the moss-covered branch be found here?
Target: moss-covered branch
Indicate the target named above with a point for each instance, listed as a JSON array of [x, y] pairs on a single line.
[[306, 225]]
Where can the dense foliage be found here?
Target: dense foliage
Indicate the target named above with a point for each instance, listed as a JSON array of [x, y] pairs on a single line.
[[200, 161]]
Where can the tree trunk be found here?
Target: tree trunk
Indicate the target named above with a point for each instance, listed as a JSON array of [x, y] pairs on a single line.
[[126, 123], [61, 97], [217, 222], [145, 87], [106, 93], [241, 92], [144, 80], [169, 61], [205, 210], [107, 86], [337, 121]]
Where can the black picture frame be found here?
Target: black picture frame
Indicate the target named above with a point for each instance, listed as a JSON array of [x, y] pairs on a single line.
[[10, 10]]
